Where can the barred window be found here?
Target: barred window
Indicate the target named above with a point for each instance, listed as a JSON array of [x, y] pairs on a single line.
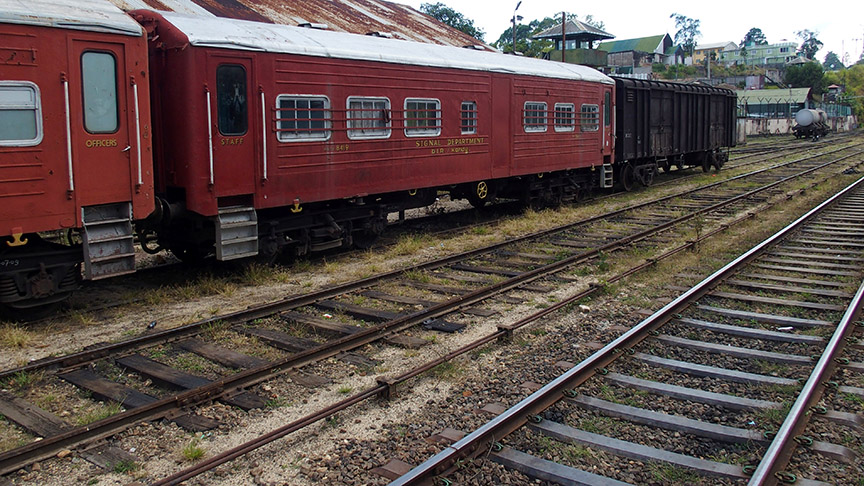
[[469, 117], [565, 117], [20, 114], [590, 118], [302, 117], [368, 118], [422, 117], [535, 117]]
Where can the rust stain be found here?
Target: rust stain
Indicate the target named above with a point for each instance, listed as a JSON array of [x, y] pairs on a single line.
[[354, 16]]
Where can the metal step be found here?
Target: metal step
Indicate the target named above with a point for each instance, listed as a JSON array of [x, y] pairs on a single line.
[[108, 244], [606, 180], [236, 233]]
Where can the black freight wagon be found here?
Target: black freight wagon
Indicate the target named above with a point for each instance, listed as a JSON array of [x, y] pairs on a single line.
[[660, 124]]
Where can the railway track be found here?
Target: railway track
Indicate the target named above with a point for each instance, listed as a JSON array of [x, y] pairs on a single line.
[[741, 365], [102, 296], [468, 274]]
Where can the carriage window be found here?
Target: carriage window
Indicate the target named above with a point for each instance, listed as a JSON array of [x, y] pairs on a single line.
[[368, 118], [303, 118], [565, 117], [535, 117], [20, 114], [607, 109], [590, 119], [99, 81], [422, 118], [231, 99], [469, 117]]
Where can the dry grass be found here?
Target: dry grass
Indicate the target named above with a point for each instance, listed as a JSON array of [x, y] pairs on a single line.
[[13, 336]]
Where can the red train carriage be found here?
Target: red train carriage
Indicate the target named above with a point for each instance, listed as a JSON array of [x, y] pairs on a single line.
[[308, 138], [74, 145]]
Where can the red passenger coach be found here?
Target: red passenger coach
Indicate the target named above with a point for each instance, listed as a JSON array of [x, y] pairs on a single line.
[[74, 145], [272, 138]]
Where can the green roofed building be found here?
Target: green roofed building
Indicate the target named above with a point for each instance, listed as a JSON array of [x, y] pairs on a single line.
[[637, 55], [773, 103]]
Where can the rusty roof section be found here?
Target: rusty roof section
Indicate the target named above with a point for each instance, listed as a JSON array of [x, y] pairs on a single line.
[[353, 16]]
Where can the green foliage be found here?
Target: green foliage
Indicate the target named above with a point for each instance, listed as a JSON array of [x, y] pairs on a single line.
[[832, 62], [810, 45], [192, 451], [125, 466], [688, 32], [535, 48], [452, 18], [853, 80], [754, 36], [808, 75]]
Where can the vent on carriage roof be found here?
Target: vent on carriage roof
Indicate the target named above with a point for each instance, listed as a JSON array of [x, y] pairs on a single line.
[[312, 25], [475, 47], [385, 35]]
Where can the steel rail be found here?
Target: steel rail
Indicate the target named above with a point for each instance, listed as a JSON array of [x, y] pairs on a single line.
[[386, 386], [783, 445], [515, 417], [14, 459], [294, 301]]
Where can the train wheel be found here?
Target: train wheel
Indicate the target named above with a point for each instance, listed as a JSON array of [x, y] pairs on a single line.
[[627, 179], [480, 194]]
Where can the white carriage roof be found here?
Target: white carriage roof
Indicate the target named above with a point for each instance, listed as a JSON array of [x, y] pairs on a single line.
[[245, 35], [91, 15]]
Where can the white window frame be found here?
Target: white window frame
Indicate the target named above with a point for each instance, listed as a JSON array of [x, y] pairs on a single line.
[[36, 106], [422, 131], [535, 128], [565, 127], [594, 125], [473, 119], [356, 133], [321, 135]]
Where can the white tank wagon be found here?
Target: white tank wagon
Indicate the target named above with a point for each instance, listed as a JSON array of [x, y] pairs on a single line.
[[810, 123]]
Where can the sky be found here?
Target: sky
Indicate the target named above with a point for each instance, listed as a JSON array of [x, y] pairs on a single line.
[[838, 26]]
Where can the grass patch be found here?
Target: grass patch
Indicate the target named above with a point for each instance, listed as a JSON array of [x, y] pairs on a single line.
[[447, 371], [125, 467], [22, 379], [344, 390], [12, 336], [410, 244], [675, 474], [192, 451], [101, 411]]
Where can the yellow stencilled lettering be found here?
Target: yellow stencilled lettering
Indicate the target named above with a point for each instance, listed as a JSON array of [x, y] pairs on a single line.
[[94, 143], [342, 147], [459, 150], [466, 141], [232, 141], [437, 151]]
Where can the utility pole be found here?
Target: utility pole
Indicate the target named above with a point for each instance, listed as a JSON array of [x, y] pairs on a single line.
[[563, 37], [514, 26]]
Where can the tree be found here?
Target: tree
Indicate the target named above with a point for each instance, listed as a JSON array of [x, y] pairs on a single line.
[[452, 18], [688, 32], [810, 44], [531, 47], [832, 61], [754, 36], [807, 75]]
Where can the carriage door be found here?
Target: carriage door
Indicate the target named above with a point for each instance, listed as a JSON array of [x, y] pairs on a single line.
[[232, 115], [234, 161], [100, 118], [608, 124]]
